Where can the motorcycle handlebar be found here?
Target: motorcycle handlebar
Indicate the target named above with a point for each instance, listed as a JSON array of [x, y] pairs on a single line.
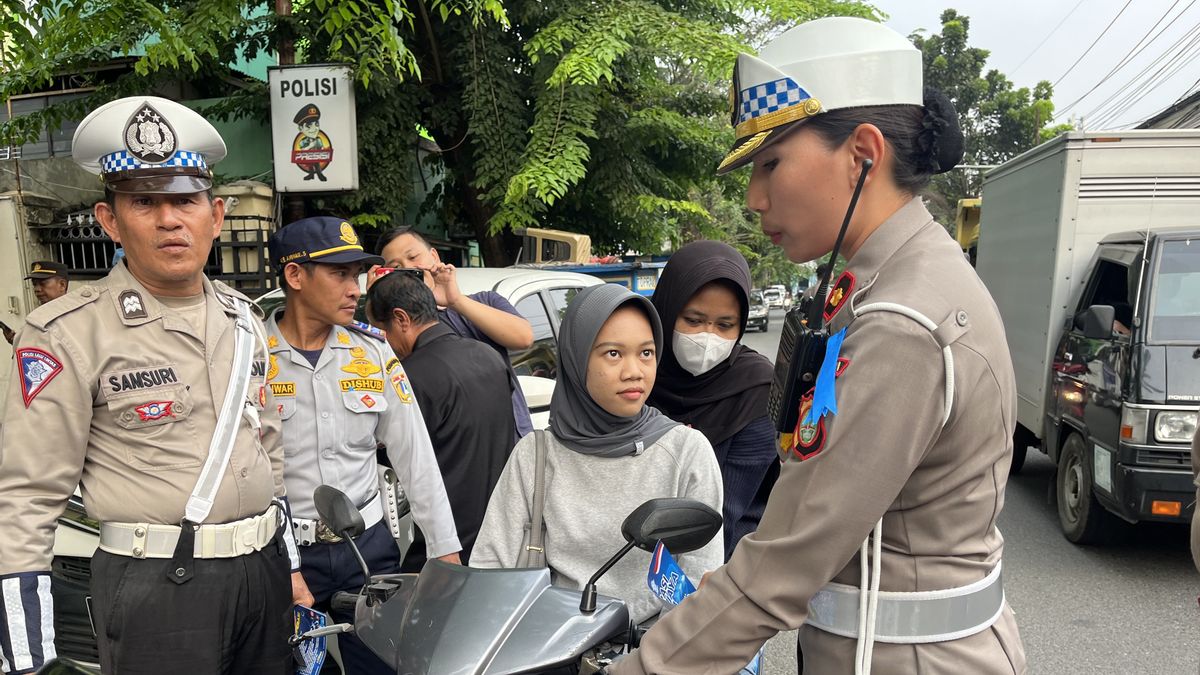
[[343, 601]]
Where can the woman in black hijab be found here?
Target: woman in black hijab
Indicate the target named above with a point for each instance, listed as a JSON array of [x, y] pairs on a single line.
[[708, 380]]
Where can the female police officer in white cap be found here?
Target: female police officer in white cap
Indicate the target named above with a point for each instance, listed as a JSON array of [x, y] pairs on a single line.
[[879, 541]]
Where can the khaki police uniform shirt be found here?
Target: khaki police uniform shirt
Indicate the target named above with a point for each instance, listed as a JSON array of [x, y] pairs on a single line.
[[939, 490], [334, 414], [128, 418]]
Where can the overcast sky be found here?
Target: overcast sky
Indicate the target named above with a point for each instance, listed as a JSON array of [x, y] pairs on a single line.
[[1026, 46]]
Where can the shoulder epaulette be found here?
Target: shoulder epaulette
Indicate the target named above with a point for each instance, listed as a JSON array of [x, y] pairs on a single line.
[[43, 316], [367, 329]]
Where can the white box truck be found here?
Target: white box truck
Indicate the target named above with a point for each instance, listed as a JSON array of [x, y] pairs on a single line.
[[1090, 245]]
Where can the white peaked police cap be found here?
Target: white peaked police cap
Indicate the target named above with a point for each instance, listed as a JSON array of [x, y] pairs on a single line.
[[148, 145], [818, 66]]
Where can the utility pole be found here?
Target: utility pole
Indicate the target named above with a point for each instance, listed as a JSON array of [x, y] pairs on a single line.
[[293, 208]]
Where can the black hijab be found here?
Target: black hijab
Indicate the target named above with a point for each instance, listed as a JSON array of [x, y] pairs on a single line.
[[734, 393]]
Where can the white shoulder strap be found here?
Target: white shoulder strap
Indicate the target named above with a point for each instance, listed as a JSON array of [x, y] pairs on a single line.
[[221, 448]]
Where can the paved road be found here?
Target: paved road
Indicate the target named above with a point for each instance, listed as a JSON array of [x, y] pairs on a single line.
[[1124, 608]]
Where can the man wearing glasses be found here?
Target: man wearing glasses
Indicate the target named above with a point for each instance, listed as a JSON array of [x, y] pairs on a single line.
[[340, 390]]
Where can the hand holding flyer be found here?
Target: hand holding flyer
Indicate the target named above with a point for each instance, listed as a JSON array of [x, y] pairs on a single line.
[[669, 583]]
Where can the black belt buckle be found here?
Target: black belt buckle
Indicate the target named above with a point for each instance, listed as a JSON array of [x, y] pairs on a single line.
[[180, 570]]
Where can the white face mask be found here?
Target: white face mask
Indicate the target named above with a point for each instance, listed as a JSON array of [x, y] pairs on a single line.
[[699, 353]]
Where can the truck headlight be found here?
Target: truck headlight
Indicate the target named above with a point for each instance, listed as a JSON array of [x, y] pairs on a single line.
[[1171, 426]]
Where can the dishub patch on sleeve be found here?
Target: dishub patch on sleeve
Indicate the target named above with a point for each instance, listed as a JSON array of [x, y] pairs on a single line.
[[37, 369]]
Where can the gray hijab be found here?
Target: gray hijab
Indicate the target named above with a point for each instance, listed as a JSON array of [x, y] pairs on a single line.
[[576, 420]]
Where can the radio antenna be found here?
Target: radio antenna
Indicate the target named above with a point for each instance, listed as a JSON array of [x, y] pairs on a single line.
[[816, 311]]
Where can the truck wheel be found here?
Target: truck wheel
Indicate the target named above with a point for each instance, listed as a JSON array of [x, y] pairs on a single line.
[[1022, 439], [1082, 518]]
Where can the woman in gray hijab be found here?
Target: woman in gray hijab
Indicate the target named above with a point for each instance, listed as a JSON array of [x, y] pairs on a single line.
[[606, 453]]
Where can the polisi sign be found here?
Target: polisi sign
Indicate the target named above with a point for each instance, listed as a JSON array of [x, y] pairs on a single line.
[[314, 137]]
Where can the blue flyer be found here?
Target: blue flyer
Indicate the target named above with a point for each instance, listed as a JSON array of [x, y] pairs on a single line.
[[669, 583], [666, 579], [311, 650]]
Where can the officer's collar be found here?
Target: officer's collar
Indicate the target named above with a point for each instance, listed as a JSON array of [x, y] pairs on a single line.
[[339, 336], [136, 305], [435, 331], [879, 247]]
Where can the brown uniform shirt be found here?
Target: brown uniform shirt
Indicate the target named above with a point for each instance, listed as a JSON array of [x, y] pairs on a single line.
[[886, 453], [129, 416]]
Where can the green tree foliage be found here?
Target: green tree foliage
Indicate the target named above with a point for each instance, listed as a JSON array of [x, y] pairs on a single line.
[[999, 120], [600, 116]]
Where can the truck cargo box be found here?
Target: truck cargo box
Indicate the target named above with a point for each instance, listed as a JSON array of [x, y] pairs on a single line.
[[1043, 213]]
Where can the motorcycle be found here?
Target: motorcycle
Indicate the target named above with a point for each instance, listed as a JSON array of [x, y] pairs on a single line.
[[462, 620]]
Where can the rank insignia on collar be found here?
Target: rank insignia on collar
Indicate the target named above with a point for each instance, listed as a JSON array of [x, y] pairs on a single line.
[[342, 338], [37, 369], [132, 306], [272, 342], [358, 353], [839, 293]]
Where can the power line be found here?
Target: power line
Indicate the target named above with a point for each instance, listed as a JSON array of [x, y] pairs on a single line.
[[1137, 49], [1102, 33], [1043, 42], [1162, 75], [1131, 85], [1173, 57]]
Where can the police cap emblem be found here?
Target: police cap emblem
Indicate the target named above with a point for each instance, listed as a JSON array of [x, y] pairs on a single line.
[[148, 136]]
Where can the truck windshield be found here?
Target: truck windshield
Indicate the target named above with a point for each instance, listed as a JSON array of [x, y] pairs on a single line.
[[1175, 301]]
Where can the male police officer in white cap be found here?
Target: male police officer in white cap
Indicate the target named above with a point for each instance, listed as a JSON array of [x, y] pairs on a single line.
[[339, 389], [148, 390]]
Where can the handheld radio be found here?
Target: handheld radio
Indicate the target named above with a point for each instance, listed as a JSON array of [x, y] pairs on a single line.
[[802, 345]]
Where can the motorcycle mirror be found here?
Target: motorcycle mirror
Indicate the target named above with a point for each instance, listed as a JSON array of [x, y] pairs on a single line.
[[341, 515], [682, 525], [338, 512]]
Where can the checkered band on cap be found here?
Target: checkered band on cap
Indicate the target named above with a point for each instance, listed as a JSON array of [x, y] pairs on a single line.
[[767, 98], [122, 160]]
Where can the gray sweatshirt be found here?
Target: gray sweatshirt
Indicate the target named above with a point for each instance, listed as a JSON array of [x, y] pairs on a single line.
[[587, 499]]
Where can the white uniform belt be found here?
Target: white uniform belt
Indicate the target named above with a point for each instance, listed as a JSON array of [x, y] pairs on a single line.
[[224, 540], [913, 618], [309, 531]]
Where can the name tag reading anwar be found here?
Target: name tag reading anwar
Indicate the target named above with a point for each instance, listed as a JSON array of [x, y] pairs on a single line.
[[361, 384]]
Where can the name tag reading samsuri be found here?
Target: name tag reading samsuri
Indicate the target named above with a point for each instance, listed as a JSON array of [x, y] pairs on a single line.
[[362, 384]]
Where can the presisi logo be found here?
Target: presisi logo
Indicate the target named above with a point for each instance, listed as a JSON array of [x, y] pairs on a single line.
[[131, 380], [364, 384]]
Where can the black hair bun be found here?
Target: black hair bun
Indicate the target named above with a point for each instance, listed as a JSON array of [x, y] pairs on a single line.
[[940, 143]]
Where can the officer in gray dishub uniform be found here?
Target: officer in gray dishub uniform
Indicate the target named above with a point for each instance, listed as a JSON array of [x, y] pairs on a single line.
[[340, 389]]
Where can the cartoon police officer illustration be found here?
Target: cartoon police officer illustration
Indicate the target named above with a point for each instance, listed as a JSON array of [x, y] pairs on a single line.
[[312, 150]]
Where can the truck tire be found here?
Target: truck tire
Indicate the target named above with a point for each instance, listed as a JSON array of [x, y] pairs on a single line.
[[1022, 439], [1082, 518]]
